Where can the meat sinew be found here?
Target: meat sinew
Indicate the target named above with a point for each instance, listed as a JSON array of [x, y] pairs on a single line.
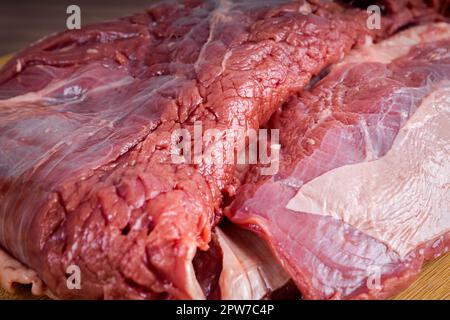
[[86, 123], [362, 197], [85, 133]]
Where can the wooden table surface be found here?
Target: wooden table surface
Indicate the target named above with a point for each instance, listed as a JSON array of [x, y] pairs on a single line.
[[432, 283], [25, 21]]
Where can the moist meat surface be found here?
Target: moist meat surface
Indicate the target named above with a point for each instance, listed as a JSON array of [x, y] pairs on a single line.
[[86, 117], [86, 173], [351, 116]]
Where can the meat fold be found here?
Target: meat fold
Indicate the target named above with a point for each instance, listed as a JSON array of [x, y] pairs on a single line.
[[341, 225], [240, 266], [250, 271], [86, 117], [86, 122]]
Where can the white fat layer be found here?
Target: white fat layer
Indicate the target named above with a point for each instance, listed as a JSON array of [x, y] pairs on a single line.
[[13, 272], [401, 199], [400, 44]]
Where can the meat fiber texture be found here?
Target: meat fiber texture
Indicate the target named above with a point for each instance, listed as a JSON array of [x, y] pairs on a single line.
[[86, 122], [86, 118], [345, 217]]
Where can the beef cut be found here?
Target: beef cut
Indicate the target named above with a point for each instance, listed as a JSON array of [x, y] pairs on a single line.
[[86, 123], [86, 118], [362, 197]]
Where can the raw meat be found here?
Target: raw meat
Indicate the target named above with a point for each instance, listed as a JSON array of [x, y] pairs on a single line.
[[86, 177], [13, 272], [340, 223], [401, 199]]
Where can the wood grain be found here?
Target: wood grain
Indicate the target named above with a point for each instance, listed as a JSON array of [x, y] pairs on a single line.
[[433, 282]]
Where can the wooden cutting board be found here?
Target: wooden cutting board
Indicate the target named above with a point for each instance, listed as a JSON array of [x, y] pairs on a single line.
[[432, 283], [4, 59]]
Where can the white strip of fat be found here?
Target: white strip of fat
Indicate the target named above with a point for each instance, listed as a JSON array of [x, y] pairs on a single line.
[[399, 44], [13, 272], [401, 199]]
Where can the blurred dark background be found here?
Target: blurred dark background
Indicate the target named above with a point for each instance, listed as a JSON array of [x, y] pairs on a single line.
[[25, 21]]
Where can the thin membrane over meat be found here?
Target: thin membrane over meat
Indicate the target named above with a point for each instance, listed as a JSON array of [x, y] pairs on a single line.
[[340, 223], [86, 123], [401, 199], [250, 271]]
